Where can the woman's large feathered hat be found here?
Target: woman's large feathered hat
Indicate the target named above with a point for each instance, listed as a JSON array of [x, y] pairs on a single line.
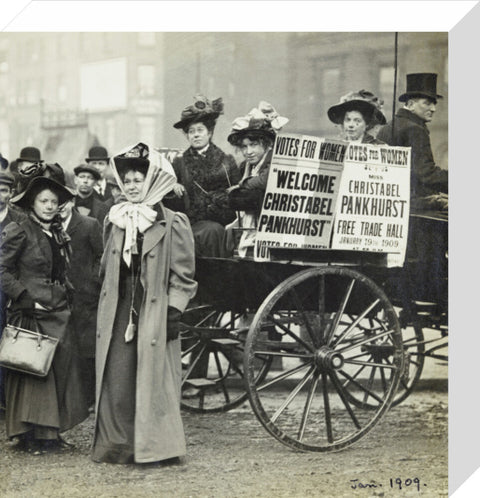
[[261, 121], [36, 185], [202, 110], [362, 101]]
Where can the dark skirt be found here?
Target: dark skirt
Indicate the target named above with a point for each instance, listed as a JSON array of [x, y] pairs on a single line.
[[45, 406], [114, 438], [210, 239]]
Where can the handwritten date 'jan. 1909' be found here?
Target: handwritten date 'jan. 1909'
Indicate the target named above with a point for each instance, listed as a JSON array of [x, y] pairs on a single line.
[[393, 483]]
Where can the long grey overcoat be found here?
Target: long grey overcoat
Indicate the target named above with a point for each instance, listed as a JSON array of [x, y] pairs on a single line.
[[167, 271]]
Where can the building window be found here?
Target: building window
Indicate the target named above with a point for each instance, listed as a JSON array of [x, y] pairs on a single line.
[[146, 39], [146, 80], [146, 129]]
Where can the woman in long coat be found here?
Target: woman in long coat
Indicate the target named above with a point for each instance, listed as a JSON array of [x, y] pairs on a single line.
[[148, 264], [33, 258], [204, 174]]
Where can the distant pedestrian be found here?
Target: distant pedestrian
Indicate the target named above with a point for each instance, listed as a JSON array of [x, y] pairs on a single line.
[[86, 202], [83, 272], [98, 159]]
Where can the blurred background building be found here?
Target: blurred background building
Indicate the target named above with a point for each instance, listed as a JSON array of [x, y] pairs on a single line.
[[64, 92]]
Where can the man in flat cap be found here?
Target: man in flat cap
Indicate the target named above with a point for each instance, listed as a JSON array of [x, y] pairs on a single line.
[[86, 202]]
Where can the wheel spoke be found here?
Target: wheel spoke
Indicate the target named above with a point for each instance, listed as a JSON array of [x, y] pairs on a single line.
[[347, 332], [371, 364], [291, 334], [221, 379], [326, 404], [357, 373], [203, 320], [339, 313], [232, 363], [282, 376], [363, 388], [364, 341], [284, 355], [193, 363], [308, 405], [293, 394], [369, 384], [190, 349], [299, 307], [338, 387], [384, 381]]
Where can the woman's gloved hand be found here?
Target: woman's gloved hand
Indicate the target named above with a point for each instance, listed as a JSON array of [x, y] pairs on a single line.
[[25, 303], [173, 323]]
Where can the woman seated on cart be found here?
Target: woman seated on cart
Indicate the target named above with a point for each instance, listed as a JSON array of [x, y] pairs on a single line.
[[357, 113], [204, 173], [253, 135]]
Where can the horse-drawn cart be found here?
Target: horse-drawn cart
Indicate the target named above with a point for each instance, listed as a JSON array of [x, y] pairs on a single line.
[[320, 341]]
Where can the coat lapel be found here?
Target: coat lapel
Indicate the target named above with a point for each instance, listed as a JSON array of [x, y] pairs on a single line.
[[153, 236], [74, 224]]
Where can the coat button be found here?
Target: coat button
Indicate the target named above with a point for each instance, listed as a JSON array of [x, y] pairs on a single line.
[[154, 341], [153, 299], [104, 292], [98, 335], [152, 254], [113, 251]]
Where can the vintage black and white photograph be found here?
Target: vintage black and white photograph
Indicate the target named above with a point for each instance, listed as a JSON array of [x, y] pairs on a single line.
[[224, 263]]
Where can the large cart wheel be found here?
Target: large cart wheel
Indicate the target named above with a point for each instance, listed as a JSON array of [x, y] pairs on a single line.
[[340, 344], [212, 360], [414, 348]]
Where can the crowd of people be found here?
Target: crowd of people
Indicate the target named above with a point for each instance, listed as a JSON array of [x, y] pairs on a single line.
[[107, 265]]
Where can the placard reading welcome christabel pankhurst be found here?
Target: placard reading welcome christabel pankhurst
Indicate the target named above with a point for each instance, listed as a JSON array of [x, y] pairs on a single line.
[[323, 193]]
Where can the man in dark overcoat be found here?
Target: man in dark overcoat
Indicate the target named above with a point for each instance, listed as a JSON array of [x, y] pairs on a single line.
[[98, 158], [7, 215], [86, 201], [87, 247], [410, 130], [427, 264]]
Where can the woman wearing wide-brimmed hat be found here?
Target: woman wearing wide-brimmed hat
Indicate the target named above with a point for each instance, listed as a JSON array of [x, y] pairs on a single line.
[[204, 174], [357, 113], [34, 254], [253, 135]]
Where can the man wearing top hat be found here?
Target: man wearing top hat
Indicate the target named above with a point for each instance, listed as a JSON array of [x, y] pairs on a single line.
[[428, 237], [98, 158], [86, 202], [409, 129]]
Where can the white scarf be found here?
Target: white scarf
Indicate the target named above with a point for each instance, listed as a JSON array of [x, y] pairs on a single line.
[[134, 217]]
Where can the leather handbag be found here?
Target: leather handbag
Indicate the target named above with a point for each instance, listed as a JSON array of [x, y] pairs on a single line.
[[27, 351]]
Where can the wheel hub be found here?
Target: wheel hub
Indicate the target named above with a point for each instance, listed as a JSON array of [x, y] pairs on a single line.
[[328, 359]]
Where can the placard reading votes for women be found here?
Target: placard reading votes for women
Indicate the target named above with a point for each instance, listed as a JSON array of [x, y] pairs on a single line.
[[325, 193], [302, 189], [374, 201]]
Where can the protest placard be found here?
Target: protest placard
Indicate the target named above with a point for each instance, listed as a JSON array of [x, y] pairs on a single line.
[[374, 201], [323, 193], [300, 198]]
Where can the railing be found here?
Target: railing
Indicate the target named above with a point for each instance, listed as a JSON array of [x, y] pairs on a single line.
[[65, 118]]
